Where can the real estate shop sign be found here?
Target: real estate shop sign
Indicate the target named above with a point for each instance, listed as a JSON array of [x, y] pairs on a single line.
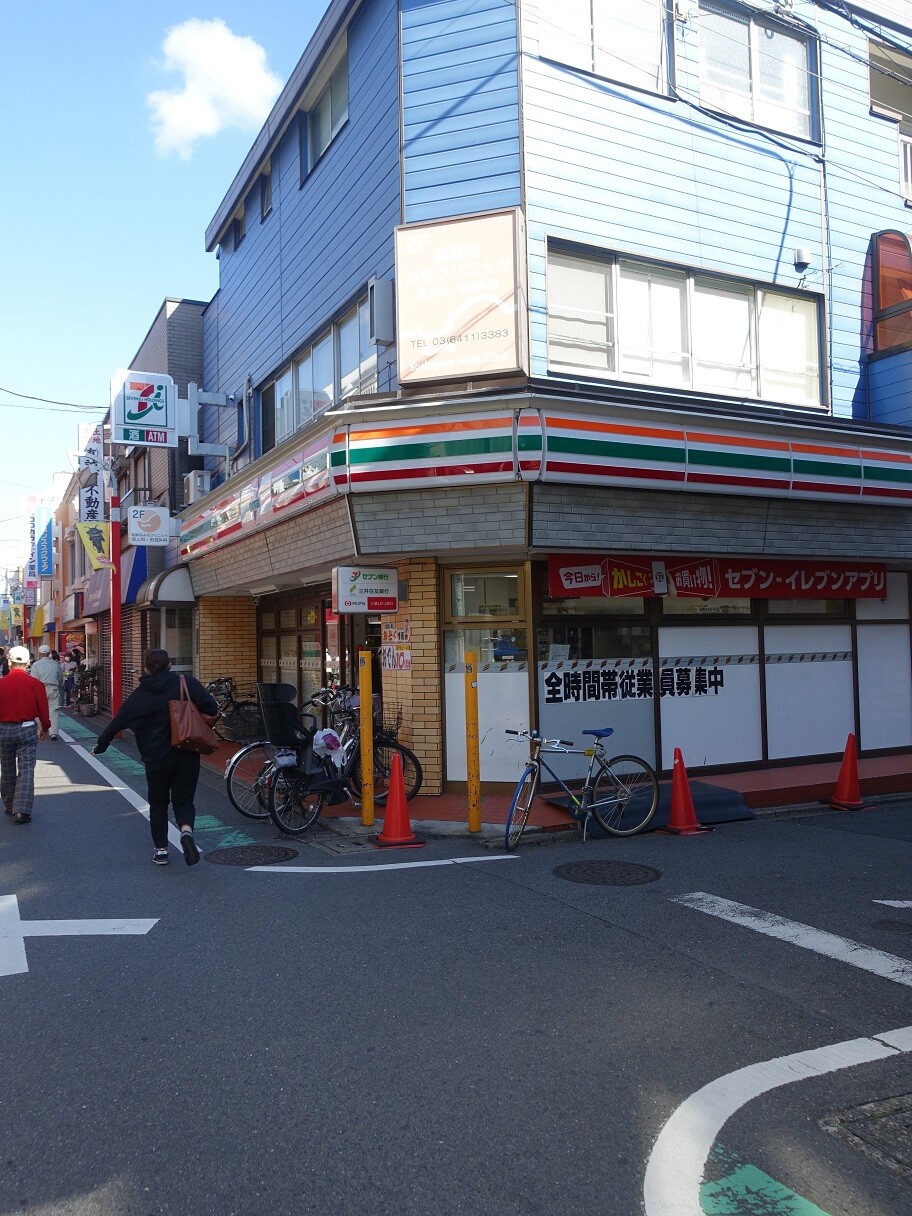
[[588, 574]]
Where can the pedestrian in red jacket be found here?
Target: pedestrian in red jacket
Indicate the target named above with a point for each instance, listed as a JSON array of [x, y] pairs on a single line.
[[23, 704]]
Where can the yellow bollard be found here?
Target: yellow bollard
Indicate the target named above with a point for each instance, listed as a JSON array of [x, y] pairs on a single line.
[[473, 765], [367, 738]]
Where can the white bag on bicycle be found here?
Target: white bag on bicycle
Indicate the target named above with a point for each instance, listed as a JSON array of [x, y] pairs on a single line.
[[327, 744]]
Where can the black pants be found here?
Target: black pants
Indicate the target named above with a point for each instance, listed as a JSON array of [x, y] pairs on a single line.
[[173, 781]]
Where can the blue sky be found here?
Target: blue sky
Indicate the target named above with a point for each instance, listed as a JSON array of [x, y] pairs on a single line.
[[103, 211]]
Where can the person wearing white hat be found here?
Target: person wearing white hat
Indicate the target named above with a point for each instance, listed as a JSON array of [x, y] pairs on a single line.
[[23, 702], [50, 673]]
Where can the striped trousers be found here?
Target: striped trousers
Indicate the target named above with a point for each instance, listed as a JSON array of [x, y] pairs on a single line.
[[18, 753]]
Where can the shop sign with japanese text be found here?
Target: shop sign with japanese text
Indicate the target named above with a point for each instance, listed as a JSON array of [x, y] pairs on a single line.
[[144, 409], [356, 590], [578, 575], [148, 526]]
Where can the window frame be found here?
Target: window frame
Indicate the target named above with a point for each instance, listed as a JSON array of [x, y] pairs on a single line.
[[265, 194], [881, 313], [692, 279], [594, 60], [310, 155], [755, 22]]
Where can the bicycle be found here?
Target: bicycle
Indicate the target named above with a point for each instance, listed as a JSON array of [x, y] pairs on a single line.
[[240, 719], [622, 792], [298, 788]]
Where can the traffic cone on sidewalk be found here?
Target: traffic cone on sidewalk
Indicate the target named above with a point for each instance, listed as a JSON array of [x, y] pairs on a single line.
[[397, 831], [847, 795], [682, 820]]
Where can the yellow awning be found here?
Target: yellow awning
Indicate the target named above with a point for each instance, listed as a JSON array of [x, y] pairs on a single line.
[[36, 628]]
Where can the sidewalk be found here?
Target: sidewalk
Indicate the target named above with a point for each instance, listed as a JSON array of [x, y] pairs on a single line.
[[762, 789]]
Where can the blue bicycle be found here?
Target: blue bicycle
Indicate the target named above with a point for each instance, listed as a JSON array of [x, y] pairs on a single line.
[[622, 792]]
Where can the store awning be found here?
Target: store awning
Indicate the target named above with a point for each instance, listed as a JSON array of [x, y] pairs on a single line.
[[133, 571], [170, 589], [36, 628]]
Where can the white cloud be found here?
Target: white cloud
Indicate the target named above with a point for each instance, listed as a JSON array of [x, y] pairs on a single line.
[[227, 83]]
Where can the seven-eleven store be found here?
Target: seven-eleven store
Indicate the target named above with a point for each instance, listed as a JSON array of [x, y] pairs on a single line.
[[738, 590]]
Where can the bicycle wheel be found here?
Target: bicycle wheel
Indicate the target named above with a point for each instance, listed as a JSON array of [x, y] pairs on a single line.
[[293, 807], [412, 775], [518, 815], [247, 780], [625, 795]]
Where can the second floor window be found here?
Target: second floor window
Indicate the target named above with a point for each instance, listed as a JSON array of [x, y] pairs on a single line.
[[325, 118], [892, 291], [622, 41], [342, 362], [649, 324], [756, 69]]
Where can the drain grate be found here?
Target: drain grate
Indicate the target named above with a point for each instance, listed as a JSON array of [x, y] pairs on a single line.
[[251, 855], [607, 873], [882, 1130]]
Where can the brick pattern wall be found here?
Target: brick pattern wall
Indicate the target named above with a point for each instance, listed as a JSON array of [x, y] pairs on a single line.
[[468, 518], [320, 537], [227, 639], [568, 517]]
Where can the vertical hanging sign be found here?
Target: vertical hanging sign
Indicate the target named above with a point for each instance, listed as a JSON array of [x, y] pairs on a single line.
[[144, 409]]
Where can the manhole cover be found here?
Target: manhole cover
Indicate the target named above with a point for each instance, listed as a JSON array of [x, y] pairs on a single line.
[[607, 873], [894, 926], [251, 855]]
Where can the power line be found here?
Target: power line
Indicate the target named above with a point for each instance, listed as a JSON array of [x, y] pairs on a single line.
[[47, 400]]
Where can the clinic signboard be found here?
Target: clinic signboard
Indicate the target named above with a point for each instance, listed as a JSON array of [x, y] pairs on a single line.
[[144, 409], [148, 526], [359, 590]]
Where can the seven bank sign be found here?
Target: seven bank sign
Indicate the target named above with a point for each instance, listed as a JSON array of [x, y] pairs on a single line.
[[356, 590], [144, 409]]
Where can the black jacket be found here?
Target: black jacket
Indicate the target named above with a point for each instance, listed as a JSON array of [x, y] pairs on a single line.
[[145, 712]]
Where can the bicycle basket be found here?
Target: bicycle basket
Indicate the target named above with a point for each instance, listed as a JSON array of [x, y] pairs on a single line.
[[243, 724], [391, 719]]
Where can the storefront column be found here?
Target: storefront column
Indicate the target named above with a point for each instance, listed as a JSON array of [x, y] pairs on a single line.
[[227, 639], [424, 730]]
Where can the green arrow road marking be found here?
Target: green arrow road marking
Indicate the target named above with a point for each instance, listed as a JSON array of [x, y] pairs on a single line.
[[747, 1191]]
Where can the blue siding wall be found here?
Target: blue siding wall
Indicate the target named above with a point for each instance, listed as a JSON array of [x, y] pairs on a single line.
[[314, 253], [610, 167], [460, 99], [891, 389]]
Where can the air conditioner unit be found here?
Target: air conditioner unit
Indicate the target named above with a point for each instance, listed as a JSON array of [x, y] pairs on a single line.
[[197, 485]]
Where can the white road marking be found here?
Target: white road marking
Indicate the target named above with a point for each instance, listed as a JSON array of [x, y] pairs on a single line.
[[674, 1173], [895, 903], [14, 930], [135, 800], [397, 865], [843, 949]]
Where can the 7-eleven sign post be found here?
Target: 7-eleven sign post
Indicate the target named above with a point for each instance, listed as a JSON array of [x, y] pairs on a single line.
[[143, 409]]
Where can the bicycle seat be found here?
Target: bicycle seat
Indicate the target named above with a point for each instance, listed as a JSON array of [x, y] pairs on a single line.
[[600, 734]]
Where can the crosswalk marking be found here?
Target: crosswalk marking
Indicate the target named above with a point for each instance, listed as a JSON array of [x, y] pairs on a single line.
[[889, 966]]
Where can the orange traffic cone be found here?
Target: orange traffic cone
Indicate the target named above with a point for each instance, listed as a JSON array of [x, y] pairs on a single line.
[[397, 831], [682, 821], [847, 795]]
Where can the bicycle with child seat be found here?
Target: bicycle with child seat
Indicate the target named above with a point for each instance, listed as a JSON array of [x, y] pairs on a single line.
[[621, 792], [250, 773]]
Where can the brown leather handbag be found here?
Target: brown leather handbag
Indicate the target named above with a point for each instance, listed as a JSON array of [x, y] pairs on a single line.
[[191, 730]]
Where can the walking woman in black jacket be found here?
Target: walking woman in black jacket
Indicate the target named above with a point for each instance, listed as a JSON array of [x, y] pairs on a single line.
[[171, 774]]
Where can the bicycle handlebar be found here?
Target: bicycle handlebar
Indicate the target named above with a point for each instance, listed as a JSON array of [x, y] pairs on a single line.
[[534, 737]]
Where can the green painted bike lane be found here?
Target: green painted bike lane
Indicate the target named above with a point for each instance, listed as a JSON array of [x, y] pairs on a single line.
[[211, 830]]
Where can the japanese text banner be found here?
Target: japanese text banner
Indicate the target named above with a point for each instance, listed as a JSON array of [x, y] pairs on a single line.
[[96, 539], [577, 575]]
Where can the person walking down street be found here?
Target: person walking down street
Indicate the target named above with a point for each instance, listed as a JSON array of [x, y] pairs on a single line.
[[22, 701], [171, 774], [70, 669], [50, 673]]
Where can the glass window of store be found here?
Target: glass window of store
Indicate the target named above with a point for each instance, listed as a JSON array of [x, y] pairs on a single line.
[[485, 613], [594, 668]]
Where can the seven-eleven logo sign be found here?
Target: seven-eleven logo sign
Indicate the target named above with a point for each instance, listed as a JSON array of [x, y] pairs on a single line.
[[143, 401], [144, 409]]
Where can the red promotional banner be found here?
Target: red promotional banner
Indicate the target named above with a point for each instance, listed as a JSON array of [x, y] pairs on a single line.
[[575, 575]]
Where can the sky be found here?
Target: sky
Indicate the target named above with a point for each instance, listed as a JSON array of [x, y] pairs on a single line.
[[122, 125]]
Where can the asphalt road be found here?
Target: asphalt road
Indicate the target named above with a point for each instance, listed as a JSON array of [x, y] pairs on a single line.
[[479, 1038]]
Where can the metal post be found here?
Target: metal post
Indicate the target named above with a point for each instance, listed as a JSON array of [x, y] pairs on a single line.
[[116, 660], [473, 764], [367, 738]]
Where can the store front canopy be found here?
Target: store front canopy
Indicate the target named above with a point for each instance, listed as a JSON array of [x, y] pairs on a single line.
[[133, 570], [170, 589]]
